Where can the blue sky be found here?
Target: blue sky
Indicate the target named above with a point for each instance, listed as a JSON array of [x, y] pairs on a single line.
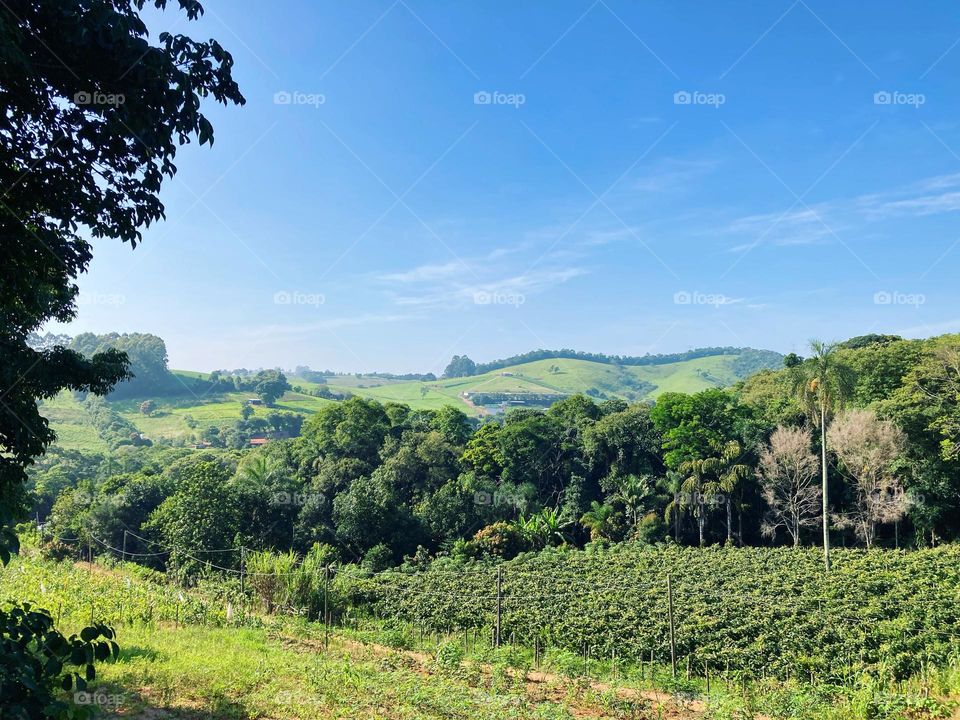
[[414, 179]]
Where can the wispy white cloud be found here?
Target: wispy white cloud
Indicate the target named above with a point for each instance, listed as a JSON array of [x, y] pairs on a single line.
[[307, 328], [672, 174], [815, 223], [426, 273], [501, 270]]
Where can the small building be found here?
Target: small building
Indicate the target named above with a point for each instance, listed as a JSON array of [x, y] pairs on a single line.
[[257, 442], [254, 401]]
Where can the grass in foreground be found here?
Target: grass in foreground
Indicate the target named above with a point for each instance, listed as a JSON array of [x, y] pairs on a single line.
[[225, 663]]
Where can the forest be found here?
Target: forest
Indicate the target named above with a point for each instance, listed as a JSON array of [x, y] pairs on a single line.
[[381, 483]]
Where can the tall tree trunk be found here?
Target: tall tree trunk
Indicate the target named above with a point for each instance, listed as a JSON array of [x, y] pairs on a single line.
[[729, 521], [823, 469], [740, 520], [701, 521]]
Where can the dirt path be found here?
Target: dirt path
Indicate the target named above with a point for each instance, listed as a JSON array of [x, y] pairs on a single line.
[[539, 685]]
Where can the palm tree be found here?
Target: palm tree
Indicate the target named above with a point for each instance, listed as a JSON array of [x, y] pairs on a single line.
[[691, 491], [599, 520], [634, 493], [672, 484], [822, 384], [727, 473]]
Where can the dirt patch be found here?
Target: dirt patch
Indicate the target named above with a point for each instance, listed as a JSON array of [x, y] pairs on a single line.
[[586, 699]]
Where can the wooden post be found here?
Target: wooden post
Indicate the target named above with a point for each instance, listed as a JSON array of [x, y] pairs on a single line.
[[243, 566], [123, 555], [673, 642], [496, 629], [326, 612]]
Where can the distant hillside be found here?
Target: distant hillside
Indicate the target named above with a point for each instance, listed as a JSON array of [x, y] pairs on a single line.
[[540, 381], [196, 404], [749, 358]]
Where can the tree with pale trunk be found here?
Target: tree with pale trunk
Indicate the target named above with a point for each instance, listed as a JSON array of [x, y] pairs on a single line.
[[787, 473], [822, 384], [867, 448]]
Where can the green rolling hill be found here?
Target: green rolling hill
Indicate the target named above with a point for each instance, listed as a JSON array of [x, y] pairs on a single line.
[[179, 418]]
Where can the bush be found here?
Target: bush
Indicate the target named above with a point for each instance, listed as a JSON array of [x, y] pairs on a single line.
[[449, 656], [378, 558], [36, 661], [501, 539]]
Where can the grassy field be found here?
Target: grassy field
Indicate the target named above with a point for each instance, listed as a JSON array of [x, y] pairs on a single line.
[[174, 414], [186, 654], [187, 659], [68, 418], [560, 376]]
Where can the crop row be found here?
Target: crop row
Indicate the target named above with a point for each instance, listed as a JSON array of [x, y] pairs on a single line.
[[759, 611]]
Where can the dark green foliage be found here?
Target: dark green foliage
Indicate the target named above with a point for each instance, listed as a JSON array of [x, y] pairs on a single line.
[[204, 512], [74, 156], [147, 358], [270, 385], [460, 366], [37, 663]]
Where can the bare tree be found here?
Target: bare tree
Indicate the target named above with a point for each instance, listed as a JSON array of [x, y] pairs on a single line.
[[867, 448], [787, 473]]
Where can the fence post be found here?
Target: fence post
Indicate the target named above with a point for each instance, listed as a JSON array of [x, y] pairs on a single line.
[[496, 630], [326, 612], [123, 555], [243, 566], [673, 642]]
